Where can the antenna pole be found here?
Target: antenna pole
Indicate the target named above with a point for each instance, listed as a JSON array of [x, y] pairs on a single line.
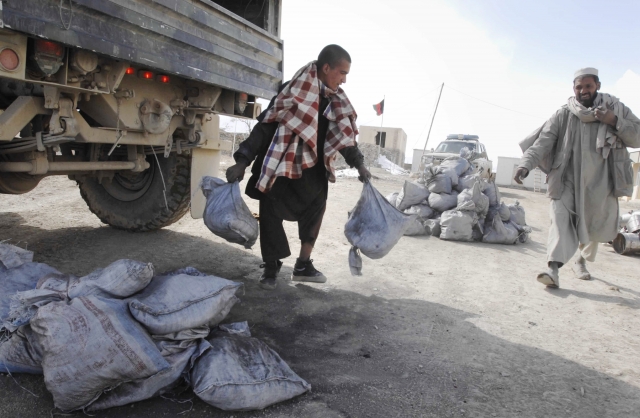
[[432, 119]]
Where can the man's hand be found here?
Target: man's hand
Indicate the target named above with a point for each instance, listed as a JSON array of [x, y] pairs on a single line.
[[236, 172], [521, 174], [364, 173], [606, 116]]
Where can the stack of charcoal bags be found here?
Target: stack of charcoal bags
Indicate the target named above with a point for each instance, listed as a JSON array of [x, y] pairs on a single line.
[[454, 203], [122, 334]]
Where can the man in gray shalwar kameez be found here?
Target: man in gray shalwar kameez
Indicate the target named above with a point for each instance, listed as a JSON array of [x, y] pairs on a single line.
[[584, 210]]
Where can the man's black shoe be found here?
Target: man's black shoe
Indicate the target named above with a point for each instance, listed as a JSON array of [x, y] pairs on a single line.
[[268, 278], [304, 271]]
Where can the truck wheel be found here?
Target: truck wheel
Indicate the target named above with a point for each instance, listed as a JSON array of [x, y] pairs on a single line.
[[136, 201]]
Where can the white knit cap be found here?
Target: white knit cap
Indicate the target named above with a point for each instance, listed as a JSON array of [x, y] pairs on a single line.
[[585, 71]]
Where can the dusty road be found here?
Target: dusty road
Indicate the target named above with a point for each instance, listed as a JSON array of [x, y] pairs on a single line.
[[435, 329]]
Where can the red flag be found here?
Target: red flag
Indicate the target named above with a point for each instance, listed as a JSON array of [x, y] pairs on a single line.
[[379, 108]]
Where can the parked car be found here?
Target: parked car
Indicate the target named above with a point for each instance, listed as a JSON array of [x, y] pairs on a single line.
[[452, 146]]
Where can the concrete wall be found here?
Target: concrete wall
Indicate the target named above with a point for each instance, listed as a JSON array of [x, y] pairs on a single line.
[[635, 157], [396, 140], [507, 169], [415, 160]]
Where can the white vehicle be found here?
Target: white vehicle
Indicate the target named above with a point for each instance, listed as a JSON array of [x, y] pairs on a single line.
[[452, 146]]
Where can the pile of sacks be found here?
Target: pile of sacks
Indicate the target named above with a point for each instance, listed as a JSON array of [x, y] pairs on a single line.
[[123, 334], [453, 202]]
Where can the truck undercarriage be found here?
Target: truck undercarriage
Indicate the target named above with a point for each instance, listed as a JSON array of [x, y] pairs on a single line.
[[124, 97]]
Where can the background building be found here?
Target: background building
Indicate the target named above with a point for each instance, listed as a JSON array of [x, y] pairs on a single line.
[[393, 140], [506, 171], [417, 156], [507, 167], [635, 157]]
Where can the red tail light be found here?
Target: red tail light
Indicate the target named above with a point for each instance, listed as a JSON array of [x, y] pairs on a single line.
[[9, 60], [130, 70], [147, 75], [163, 78], [49, 48]]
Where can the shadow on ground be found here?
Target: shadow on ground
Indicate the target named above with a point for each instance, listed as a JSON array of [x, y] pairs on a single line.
[[364, 356]]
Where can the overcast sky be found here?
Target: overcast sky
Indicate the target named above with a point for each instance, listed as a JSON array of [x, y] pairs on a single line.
[[515, 54]]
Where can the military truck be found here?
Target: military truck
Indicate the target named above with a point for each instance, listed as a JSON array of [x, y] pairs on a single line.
[[124, 97]]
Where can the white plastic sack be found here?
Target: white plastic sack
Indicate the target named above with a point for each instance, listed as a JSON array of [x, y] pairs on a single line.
[[119, 279], [50, 288], [492, 193], [440, 179], [470, 171], [416, 228], [374, 226], [423, 210], [504, 212], [176, 342], [467, 154], [433, 227], [523, 231], [491, 213], [517, 213], [393, 198], [226, 214], [457, 225], [57, 282], [355, 261], [474, 194], [174, 303], [156, 385], [451, 173], [24, 306], [440, 183], [177, 349], [236, 328], [467, 205], [91, 345], [18, 279], [467, 182], [441, 202], [12, 256], [19, 355], [430, 170], [236, 373], [411, 194], [499, 233], [191, 271], [478, 231], [458, 164], [482, 205]]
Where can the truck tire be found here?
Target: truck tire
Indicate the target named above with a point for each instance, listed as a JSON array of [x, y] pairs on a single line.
[[137, 202]]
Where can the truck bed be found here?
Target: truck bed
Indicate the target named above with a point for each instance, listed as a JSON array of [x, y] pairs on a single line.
[[196, 39]]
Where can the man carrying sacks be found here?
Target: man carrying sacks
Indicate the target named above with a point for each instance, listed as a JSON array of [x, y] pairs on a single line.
[[582, 148], [294, 145]]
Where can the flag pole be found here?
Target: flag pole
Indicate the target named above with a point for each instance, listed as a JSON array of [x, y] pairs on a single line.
[[432, 118], [381, 124]]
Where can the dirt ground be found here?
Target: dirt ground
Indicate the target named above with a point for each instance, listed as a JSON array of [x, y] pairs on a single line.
[[434, 329]]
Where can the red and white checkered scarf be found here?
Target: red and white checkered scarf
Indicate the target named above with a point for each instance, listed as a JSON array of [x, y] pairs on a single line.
[[295, 144]]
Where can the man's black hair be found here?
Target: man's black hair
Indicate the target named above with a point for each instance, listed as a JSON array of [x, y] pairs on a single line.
[[332, 55]]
